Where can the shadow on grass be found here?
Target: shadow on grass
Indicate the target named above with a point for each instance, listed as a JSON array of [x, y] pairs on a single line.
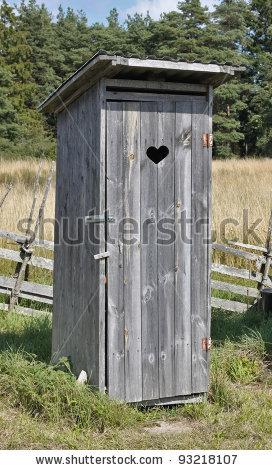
[[233, 325], [29, 334], [33, 334]]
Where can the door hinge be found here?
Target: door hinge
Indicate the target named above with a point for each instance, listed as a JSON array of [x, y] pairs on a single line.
[[207, 140], [206, 344]]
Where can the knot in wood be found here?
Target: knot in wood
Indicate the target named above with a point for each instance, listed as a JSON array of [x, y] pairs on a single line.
[[163, 356], [147, 294], [151, 358]]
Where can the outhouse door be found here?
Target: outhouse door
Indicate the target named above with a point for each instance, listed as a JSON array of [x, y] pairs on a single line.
[[158, 192]]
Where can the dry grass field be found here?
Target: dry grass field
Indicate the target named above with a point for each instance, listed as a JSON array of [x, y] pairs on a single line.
[[21, 174], [241, 189]]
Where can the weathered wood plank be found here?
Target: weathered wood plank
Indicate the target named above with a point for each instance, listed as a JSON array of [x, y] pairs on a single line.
[[102, 144], [264, 271], [155, 86], [166, 249], [238, 272], [76, 319], [208, 177], [239, 253], [39, 292], [175, 400], [183, 190], [24, 310], [137, 96], [249, 247], [60, 249], [46, 244], [170, 65], [33, 298], [109, 71], [73, 327], [77, 82], [149, 262], [235, 289], [94, 273], [116, 322], [200, 247], [230, 305], [132, 252], [37, 261]]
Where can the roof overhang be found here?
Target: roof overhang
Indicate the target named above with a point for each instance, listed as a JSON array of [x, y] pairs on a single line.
[[103, 65]]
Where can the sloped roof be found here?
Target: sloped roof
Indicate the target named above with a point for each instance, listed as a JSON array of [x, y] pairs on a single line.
[[105, 65]]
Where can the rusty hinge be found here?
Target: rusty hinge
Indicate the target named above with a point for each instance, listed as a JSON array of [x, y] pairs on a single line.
[[206, 344], [207, 140]]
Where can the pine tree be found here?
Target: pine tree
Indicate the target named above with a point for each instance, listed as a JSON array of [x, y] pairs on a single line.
[[183, 34], [16, 54], [21, 124], [196, 22], [74, 39], [37, 54], [9, 127], [139, 34], [45, 51], [111, 38], [231, 40], [260, 121]]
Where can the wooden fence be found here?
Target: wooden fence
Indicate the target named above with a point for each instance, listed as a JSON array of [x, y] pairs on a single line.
[[258, 259], [30, 291]]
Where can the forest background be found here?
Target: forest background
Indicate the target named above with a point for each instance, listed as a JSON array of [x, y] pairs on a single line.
[[39, 51]]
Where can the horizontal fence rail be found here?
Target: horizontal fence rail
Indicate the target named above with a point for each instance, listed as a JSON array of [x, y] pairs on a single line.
[[44, 294], [20, 239]]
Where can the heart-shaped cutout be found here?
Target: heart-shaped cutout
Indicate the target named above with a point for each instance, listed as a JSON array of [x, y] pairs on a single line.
[[157, 155]]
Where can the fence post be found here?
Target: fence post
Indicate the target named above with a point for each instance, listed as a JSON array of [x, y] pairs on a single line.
[[268, 256], [26, 254], [5, 195], [26, 247]]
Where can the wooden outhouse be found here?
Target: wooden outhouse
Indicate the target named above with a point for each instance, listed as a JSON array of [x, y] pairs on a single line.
[[133, 205]]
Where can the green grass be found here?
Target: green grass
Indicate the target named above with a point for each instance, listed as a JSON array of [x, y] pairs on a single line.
[[42, 406]]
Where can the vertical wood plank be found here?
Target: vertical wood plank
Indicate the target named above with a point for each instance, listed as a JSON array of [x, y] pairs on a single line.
[[76, 316], [200, 248], [149, 265], [166, 250], [132, 253], [76, 255], [59, 259], [183, 188], [209, 197], [102, 113], [115, 322], [93, 341]]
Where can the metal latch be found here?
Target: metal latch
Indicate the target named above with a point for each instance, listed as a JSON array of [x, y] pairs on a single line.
[[102, 255], [99, 219], [207, 140], [206, 344]]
